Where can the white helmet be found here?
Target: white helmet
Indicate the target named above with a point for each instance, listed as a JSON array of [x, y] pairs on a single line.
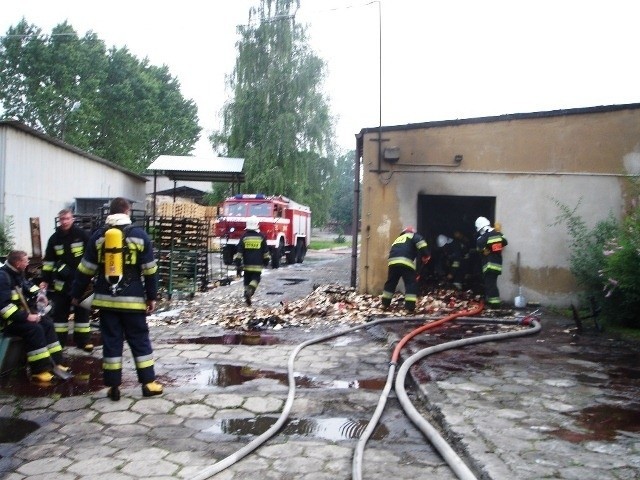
[[442, 240], [253, 223], [482, 224]]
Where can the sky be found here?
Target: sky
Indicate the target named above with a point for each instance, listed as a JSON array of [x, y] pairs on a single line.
[[389, 62]]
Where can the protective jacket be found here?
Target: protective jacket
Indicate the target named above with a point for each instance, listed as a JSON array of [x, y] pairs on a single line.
[[131, 292], [11, 307], [253, 251], [62, 257], [40, 339], [490, 244], [406, 247]]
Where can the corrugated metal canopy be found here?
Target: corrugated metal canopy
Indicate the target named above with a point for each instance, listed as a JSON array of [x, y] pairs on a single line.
[[199, 169]]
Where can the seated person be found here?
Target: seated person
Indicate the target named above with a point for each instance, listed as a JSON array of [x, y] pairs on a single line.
[[44, 352]]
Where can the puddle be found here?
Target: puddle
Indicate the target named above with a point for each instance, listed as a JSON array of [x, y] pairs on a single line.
[[602, 423], [222, 375], [333, 429], [293, 281], [13, 430], [87, 379], [231, 339]]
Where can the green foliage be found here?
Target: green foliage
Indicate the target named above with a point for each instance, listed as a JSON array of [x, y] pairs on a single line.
[[621, 273], [6, 236], [126, 110], [587, 259], [606, 263], [342, 204], [278, 118]]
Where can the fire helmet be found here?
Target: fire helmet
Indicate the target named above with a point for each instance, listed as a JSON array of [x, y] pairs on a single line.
[[482, 224], [443, 240], [253, 223], [408, 229]]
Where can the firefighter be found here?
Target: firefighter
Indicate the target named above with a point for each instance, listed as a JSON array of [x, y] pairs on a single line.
[[121, 258], [402, 257], [490, 244], [252, 256], [17, 296], [62, 256], [451, 254]]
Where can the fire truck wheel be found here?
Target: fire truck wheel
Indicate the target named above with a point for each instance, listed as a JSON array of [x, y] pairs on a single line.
[[276, 256], [291, 256], [301, 251]]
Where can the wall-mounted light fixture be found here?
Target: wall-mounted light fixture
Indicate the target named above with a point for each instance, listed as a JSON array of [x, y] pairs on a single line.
[[391, 154], [457, 159]]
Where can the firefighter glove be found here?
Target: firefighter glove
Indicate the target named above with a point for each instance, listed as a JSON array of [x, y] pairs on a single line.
[[238, 262], [426, 259], [265, 262]]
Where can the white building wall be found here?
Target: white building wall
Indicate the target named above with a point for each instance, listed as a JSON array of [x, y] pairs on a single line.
[[41, 178]]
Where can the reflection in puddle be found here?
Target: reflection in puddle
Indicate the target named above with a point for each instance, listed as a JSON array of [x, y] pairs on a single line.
[[13, 430], [327, 428], [222, 375], [602, 423]]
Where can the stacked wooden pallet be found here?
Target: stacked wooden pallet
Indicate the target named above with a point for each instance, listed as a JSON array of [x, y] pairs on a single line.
[[181, 210], [181, 249]]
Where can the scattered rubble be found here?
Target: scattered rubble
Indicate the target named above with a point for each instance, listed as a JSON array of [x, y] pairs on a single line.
[[327, 305]]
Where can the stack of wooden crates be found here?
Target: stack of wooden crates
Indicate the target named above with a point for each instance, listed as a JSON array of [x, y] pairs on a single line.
[[181, 238]]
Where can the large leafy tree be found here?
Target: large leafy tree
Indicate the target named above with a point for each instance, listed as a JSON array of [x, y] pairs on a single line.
[[278, 118], [108, 103]]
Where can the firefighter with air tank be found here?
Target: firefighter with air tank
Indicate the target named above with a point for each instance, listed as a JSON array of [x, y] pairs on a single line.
[[121, 258]]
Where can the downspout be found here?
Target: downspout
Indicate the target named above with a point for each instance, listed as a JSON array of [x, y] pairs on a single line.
[[355, 218]]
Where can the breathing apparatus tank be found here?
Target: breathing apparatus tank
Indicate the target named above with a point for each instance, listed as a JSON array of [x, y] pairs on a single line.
[[113, 256]]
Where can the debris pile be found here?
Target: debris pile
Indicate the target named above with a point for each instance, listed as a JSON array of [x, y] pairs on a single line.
[[326, 305]]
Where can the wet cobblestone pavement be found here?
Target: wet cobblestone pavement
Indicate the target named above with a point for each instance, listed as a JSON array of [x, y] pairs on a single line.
[[553, 405]]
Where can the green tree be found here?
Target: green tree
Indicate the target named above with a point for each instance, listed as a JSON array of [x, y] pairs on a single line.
[[342, 203], [108, 103], [278, 119]]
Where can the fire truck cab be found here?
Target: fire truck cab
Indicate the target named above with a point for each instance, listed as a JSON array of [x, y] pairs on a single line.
[[285, 224]]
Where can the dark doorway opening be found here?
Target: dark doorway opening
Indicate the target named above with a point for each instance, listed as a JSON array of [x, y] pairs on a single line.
[[453, 216]]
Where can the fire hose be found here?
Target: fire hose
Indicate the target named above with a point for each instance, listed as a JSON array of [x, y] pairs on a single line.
[[226, 462]]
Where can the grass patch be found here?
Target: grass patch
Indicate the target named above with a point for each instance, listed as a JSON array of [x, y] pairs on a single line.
[[324, 244]]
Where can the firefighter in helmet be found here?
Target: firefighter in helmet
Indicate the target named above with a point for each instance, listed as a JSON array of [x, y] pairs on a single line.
[[252, 255], [121, 258], [402, 265], [490, 244]]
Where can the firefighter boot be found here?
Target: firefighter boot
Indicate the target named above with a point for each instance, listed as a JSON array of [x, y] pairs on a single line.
[[248, 293], [113, 393], [42, 377], [151, 389]]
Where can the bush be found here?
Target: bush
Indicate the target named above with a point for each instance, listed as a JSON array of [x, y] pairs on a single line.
[[6, 236], [606, 263], [621, 274]]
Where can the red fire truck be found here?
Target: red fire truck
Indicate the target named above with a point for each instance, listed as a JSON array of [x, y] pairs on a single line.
[[285, 223]]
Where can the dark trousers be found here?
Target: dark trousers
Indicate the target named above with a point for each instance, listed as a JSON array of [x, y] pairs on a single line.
[[251, 279], [41, 343], [116, 327], [81, 326], [491, 293], [408, 276]]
